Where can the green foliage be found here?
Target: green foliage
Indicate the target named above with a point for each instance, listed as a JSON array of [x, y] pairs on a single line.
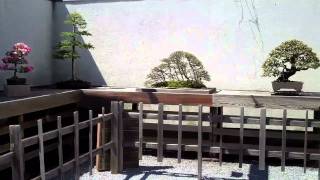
[[288, 58], [180, 69], [68, 47]]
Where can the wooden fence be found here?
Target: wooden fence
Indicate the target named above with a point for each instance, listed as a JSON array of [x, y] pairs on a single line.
[[216, 143], [16, 157]]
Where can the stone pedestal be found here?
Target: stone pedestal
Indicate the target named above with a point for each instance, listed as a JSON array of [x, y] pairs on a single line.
[[17, 90]]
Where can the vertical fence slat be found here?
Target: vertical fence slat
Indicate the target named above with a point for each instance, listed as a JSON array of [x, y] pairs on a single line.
[[114, 164], [76, 144], [241, 137], [179, 133], [60, 144], [200, 143], [220, 116], [160, 133], [284, 140], [17, 148], [140, 130], [100, 141], [305, 146], [262, 139], [41, 150], [120, 133], [21, 120], [90, 142]]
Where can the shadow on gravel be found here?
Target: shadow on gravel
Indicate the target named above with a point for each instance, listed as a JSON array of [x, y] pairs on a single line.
[[255, 173]]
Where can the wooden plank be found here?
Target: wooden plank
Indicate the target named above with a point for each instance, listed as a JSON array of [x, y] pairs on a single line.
[[265, 100], [241, 137], [114, 163], [305, 146], [38, 103], [233, 148], [90, 142], [5, 160], [152, 97], [60, 145], [76, 144], [41, 151], [284, 140], [262, 140], [179, 133], [17, 148], [120, 131], [160, 133], [200, 143], [140, 129]]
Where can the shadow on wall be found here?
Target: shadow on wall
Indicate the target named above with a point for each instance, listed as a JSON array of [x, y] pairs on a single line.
[[99, 1], [86, 67]]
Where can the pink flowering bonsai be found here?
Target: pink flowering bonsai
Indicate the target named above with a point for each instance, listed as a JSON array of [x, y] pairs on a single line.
[[15, 60]]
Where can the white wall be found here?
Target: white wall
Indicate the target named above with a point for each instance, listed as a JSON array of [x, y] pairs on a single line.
[[28, 21], [132, 36]]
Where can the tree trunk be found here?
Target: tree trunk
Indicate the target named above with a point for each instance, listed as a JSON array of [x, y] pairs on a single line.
[[72, 57]]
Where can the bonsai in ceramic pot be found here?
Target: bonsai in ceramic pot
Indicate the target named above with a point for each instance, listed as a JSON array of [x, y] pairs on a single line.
[[15, 60], [286, 60], [67, 49], [180, 70]]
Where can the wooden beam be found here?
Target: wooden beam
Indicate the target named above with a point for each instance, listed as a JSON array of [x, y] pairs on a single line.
[[38, 103], [152, 97]]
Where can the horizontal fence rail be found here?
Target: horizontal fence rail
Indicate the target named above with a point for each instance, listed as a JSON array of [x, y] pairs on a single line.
[[216, 144], [18, 157]]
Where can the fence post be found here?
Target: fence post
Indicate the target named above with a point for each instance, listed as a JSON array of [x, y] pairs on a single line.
[[41, 150], [114, 164], [120, 133], [262, 140], [76, 144], [160, 133], [17, 148], [199, 152]]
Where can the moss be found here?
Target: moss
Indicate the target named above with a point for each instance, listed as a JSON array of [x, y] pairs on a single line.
[[180, 84]]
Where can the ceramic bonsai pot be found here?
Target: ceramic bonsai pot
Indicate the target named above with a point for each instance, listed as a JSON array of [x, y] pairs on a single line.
[[290, 85], [16, 81]]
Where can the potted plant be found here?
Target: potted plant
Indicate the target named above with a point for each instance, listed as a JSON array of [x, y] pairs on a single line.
[[67, 49], [15, 60], [180, 70], [286, 60]]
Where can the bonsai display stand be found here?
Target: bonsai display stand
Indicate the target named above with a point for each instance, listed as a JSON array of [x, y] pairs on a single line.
[[17, 90]]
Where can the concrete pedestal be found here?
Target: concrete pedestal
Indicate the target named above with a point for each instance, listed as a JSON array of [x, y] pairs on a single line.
[[17, 90]]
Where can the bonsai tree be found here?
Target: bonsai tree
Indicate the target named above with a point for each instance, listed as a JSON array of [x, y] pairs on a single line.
[[180, 69], [288, 58], [67, 49], [15, 60]]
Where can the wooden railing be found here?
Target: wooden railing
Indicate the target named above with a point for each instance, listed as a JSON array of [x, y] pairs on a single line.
[[16, 157], [215, 143]]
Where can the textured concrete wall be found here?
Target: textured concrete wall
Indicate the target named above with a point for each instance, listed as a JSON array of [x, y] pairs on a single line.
[[232, 38], [30, 22]]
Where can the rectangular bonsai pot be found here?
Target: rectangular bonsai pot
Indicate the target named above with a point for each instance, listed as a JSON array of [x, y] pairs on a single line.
[[178, 90]]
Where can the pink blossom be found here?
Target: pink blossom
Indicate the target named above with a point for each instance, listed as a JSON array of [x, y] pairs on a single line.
[[22, 47]]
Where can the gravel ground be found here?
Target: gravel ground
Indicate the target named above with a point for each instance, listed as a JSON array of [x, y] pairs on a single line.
[[169, 169]]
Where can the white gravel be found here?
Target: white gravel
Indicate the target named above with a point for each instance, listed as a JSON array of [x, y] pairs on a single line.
[[169, 169]]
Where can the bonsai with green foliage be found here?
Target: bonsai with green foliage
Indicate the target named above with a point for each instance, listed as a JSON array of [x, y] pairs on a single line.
[[67, 48], [288, 58], [180, 69]]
